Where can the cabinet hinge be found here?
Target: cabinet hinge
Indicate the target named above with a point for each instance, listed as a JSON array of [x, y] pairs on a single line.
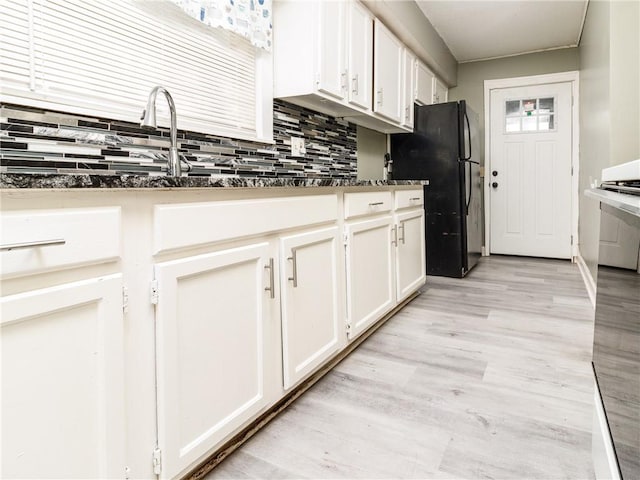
[[345, 239], [154, 292], [125, 299], [348, 328], [157, 461]]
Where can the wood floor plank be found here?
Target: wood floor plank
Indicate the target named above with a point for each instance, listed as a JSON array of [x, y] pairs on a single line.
[[483, 377]]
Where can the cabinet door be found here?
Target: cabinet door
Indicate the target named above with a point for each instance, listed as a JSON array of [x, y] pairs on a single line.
[[332, 67], [440, 92], [309, 286], [424, 85], [215, 349], [387, 73], [408, 62], [370, 272], [360, 55], [410, 253], [63, 381]]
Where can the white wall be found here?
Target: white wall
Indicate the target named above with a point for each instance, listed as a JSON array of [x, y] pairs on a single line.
[[372, 146], [609, 104], [594, 123]]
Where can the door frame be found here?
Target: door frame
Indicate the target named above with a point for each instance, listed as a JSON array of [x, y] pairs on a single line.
[[572, 77]]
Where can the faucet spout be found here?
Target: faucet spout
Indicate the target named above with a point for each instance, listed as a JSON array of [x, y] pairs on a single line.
[[148, 119]]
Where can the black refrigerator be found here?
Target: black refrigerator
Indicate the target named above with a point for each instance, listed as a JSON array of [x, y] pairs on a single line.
[[445, 149]]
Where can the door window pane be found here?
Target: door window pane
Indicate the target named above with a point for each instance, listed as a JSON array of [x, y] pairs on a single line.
[[529, 124], [546, 105], [530, 115], [513, 124], [529, 106], [545, 122], [513, 108]]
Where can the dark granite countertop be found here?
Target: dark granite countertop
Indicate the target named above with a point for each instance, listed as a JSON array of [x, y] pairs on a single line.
[[56, 181]]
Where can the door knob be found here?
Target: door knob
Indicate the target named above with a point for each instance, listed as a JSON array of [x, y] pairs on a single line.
[[494, 173], [494, 184]]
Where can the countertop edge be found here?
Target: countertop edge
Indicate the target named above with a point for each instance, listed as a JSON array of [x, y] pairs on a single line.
[[11, 181], [627, 203]]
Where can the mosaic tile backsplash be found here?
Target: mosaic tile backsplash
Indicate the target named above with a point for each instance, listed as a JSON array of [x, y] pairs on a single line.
[[38, 141]]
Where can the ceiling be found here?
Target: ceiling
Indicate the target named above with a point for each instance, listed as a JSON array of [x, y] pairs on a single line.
[[479, 30]]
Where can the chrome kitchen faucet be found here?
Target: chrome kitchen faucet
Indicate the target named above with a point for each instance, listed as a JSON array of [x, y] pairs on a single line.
[[148, 119]]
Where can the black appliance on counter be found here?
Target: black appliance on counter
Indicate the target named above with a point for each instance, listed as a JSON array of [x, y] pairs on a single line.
[[445, 149], [616, 336]]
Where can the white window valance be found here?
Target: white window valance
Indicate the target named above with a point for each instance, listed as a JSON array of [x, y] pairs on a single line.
[[248, 18]]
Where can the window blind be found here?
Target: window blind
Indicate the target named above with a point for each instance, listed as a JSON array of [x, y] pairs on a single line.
[[102, 58]]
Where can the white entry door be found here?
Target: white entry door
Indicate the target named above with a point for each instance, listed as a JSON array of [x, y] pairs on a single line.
[[530, 170]]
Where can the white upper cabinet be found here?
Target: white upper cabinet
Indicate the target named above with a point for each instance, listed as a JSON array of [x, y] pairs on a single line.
[[323, 55], [423, 84], [440, 91], [331, 53], [408, 62], [334, 57], [387, 73], [428, 88], [359, 54]]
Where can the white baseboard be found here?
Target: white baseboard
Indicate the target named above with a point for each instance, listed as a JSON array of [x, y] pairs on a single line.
[[605, 464], [589, 283]]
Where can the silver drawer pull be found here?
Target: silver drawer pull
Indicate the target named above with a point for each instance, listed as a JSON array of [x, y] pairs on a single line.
[[414, 198], [375, 203], [294, 261], [272, 287], [37, 243]]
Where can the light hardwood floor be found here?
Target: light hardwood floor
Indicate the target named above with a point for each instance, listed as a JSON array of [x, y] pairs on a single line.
[[484, 377]]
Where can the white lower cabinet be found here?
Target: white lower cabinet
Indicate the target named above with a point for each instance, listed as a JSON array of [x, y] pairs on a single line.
[[410, 253], [63, 381], [310, 301], [370, 277], [217, 345], [231, 300]]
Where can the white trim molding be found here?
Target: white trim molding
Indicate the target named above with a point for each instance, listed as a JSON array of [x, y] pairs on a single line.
[[605, 464], [562, 77], [589, 282]]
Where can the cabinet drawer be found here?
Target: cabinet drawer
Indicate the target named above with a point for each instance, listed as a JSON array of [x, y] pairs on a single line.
[[409, 198], [35, 241], [191, 224], [366, 203]]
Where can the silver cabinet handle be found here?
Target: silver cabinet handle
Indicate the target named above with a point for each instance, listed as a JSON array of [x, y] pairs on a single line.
[[406, 113], [401, 227], [271, 288], [373, 204], [380, 97], [354, 84], [343, 80], [37, 243], [414, 199], [294, 266], [395, 235]]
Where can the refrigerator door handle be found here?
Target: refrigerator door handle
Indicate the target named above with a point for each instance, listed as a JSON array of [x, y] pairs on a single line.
[[468, 185], [466, 119]]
